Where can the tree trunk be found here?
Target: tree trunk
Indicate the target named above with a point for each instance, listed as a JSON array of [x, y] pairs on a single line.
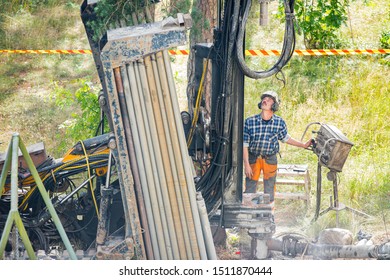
[[204, 16]]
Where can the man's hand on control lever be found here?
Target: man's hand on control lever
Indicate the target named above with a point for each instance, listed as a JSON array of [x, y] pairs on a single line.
[[300, 144], [308, 143]]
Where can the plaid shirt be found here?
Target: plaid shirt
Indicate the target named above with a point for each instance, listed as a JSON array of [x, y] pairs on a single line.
[[262, 136]]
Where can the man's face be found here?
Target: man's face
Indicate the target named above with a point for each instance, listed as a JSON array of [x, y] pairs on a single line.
[[266, 103]]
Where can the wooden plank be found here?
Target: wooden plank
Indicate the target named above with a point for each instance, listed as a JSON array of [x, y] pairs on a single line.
[[287, 182], [287, 176], [292, 169]]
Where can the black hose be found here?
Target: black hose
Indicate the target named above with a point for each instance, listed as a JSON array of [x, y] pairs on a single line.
[[211, 182], [288, 44]]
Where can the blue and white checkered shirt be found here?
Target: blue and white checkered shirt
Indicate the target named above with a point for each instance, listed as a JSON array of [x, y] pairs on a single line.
[[262, 136]]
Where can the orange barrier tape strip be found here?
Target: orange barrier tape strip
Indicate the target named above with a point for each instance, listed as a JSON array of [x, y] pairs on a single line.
[[179, 52], [319, 52], [46, 51], [302, 52]]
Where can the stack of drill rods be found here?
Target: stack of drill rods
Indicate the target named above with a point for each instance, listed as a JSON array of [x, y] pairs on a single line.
[[160, 161], [198, 226], [166, 182], [163, 63], [176, 225], [148, 161], [148, 153], [178, 238], [137, 166], [132, 140]]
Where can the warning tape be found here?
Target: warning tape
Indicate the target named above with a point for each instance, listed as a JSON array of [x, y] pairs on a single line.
[[46, 51], [179, 52], [319, 52]]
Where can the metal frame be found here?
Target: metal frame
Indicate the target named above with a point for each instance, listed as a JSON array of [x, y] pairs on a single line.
[[14, 216]]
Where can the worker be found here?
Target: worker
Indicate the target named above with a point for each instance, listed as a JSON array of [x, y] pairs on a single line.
[[262, 133]]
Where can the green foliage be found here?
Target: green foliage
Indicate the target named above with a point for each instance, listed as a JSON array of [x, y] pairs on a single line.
[[110, 12], [199, 23], [385, 40], [85, 117], [319, 21], [14, 6], [178, 6]]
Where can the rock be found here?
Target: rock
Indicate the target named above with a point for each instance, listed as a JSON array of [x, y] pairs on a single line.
[[335, 236]]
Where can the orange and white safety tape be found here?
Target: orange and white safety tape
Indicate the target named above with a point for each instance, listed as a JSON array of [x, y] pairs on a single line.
[[46, 51], [319, 52]]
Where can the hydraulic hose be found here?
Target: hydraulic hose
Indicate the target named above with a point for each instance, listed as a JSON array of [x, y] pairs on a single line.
[[288, 43], [210, 182]]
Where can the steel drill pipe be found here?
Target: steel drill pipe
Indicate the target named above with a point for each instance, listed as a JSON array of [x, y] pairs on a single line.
[[165, 207], [184, 153], [147, 83], [174, 189], [133, 164], [179, 228], [174, 222], [133, 227], [182, 193], [208, 236], [129, 89], [146, 146], [155, 172], [327, 251], [130, 149]]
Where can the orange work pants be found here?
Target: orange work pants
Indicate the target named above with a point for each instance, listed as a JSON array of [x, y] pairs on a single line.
[[269, 167]]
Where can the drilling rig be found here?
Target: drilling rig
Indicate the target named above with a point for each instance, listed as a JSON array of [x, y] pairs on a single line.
[[148, 202]]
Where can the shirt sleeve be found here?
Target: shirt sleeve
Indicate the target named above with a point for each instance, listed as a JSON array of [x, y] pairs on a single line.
[[246, 134], [283, 135]]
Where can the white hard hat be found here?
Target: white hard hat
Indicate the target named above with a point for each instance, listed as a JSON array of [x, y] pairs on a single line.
[[274, 96]]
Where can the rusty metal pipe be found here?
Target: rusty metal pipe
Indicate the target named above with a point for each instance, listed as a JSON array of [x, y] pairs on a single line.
[[207, 234], [169, 162], [129, 90], [174, 222], [123, 191], [184, 154], [182, 193], [153, 145], [147, 157], [162, 194], [326, 251], [133, 164]]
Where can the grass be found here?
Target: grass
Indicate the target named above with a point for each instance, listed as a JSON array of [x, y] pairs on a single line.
[[26, 80]]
